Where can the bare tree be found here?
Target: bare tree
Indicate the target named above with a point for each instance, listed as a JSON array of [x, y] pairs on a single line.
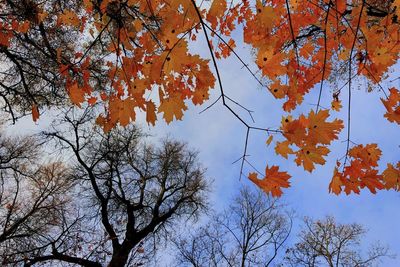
[[128, 193], [248, 233], [32, 197], [328, 243]]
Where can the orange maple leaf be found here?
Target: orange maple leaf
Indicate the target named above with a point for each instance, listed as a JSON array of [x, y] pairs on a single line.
[[216, 11], [336, 105], [76, 94], [320, 131], [69, 18], [35, 113], [283, 149], [122, 110], [293, 130], [372, 180], [336, 183], [310, 155], [92, 100], [369, 154], [391, 176], [392, 105], [172, 107], [273, 181], [151, 116], [362, 172]]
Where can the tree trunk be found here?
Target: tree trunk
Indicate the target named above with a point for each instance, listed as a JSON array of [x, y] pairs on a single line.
[[120, 257]]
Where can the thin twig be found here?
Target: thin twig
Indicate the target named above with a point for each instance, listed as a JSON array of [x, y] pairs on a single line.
[[349, 104]]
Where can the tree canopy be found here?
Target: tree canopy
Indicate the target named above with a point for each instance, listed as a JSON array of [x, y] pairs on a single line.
[[252, 231], [111, 199], [329, 243], [130, 56]]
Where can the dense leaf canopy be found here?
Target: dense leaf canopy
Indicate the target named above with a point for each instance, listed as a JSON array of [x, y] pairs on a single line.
[[130, 56]]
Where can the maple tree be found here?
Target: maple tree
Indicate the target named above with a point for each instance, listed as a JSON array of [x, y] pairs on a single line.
[[130, 56]]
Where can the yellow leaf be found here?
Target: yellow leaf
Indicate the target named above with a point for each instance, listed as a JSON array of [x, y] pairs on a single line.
[[283, 149], [335, 185], [269, 140], [336, 105]]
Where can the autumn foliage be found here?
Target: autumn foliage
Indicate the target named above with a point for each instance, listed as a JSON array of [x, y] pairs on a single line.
[[130, 56]]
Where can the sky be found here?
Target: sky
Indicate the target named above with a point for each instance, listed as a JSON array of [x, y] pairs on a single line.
[[219, 137]]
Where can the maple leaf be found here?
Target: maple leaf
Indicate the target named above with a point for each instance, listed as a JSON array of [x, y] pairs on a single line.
[[35, 113], [175, 59], [216, 11], [283, 149], [92, 100], [368, 154], [336, 105], [391, 177], [392, 105], [372, 181], [362, 171], [320, 131], [5, 36], [76, 94], [265, 15], [226, 49], [122, 110], [119, 111], [341, 5], [273, 181], [69, 18], [292, 42], [172, 107], [278, 89], [169, 36], [204, 82], [310, 155], [354, 170], [151, 116], [24, 27], [88, 6], [294, 130], [336, 183]]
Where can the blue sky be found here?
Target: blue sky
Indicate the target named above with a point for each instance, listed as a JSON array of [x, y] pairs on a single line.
[[220, 137]]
